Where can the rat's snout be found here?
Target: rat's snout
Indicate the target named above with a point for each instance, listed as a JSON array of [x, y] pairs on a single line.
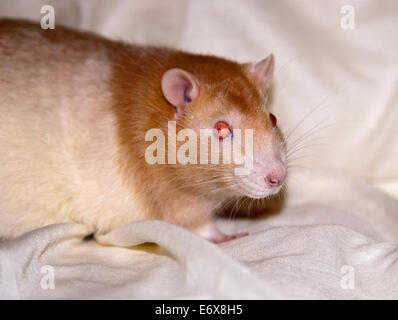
[[265, 179], [275, 175]]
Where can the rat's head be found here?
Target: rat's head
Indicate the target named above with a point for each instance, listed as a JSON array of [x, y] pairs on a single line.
[[224, 102]]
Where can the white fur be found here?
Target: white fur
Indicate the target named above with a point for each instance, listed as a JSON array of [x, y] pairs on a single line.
[[58, 146]]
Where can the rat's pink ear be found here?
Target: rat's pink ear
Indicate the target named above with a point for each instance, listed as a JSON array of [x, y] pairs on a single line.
[[179, 87], [261, 72]]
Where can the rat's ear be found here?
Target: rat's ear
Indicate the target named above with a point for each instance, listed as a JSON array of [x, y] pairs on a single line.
[[261, 72], [179, 87]]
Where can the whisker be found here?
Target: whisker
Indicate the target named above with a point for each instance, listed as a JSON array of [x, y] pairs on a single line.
[[306, 116], [316, 128]]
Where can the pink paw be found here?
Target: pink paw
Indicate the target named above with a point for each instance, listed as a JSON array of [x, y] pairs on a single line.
[[225, 237], [211, 233]]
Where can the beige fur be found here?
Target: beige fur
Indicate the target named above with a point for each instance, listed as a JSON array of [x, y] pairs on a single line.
[[74, 111], [57, 140]]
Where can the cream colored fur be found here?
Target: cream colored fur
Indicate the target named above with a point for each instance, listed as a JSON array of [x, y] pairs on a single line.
[[57, 141]]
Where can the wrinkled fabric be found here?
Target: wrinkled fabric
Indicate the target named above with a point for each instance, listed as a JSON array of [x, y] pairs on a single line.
[[318, 247]]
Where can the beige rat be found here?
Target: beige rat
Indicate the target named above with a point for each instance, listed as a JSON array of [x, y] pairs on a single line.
[[74, 112]]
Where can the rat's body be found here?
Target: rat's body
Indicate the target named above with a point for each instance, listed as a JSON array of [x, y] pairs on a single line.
[[74, 111]]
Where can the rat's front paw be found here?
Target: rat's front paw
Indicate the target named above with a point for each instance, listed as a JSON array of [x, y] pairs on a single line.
[[211, 233], [225, 237]]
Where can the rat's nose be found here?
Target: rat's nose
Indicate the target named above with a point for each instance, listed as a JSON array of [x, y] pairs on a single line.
[[276, 176], [273, 181]]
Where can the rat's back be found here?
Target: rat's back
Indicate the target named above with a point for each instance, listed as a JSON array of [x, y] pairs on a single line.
[[57, 134]]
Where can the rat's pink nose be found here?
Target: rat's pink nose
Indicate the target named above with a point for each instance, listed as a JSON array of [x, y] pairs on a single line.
[[276, 177], [273, 181]]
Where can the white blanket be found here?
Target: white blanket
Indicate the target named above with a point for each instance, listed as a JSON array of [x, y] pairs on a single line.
[[337, 236]]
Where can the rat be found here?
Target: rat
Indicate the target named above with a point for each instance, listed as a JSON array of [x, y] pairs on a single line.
[[75, 111]]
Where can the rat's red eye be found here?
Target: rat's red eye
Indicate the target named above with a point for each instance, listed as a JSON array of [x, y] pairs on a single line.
[[221, 130], [273, 119]]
